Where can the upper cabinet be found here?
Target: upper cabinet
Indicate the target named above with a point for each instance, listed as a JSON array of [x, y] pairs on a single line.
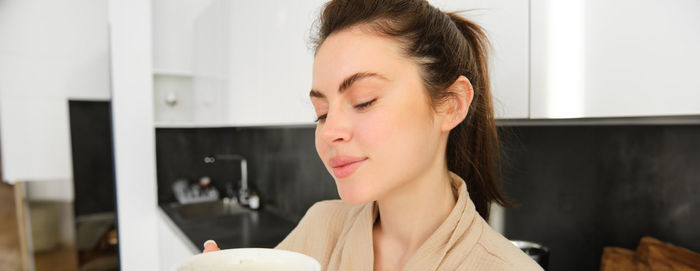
[[506, 23], [252, 64], [598, 58], [270, 57], [173, 35]]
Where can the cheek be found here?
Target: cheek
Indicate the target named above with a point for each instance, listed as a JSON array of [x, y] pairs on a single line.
[[320, 147], [374, 130], [389, 133], [402, 133]]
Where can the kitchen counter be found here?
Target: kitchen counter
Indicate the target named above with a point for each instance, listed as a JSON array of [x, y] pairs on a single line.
[[261, 229]]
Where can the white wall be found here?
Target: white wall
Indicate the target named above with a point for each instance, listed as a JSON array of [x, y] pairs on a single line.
[[54, 49], [50, 51], [133, 131]]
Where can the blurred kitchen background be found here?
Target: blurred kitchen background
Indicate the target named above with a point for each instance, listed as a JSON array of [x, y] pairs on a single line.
[[132, 131]]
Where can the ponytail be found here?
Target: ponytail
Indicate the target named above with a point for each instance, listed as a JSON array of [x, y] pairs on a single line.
[[472, 148], [445, 46]]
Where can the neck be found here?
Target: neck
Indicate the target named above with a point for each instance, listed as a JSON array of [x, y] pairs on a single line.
[[410, 214]]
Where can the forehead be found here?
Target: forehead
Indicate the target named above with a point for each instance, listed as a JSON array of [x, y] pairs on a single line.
[[355, 50]]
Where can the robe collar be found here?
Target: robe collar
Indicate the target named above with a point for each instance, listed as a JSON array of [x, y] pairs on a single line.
[[431, 253]]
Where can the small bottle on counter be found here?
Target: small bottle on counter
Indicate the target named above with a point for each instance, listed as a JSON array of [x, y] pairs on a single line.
[[254, 200], [204, 182]]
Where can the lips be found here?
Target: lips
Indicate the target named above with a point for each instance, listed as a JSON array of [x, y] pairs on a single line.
[[344, 166]]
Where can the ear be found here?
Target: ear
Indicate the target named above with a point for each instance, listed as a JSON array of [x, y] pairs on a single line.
[[455, 109]]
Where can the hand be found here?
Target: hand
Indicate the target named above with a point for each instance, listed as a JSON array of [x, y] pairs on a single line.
[[210, 246]]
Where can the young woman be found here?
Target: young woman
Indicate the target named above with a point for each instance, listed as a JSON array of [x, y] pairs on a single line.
[[406, 129]]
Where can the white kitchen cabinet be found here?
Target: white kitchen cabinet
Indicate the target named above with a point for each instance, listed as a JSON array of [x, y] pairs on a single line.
[[252, 64], [549, 59], [50, 52], [173, 49], [619, 58], [173, 245], [173, 31], [271, 63], [506, 23]]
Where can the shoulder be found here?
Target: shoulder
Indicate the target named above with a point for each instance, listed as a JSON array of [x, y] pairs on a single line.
[[501, 252]]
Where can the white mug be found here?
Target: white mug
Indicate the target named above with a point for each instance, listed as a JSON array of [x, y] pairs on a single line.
[[254, 259]]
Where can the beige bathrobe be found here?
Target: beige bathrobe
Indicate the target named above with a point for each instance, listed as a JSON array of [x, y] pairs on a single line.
[[339, 236]]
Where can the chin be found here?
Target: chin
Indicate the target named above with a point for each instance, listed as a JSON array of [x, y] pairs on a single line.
[[354, 195]]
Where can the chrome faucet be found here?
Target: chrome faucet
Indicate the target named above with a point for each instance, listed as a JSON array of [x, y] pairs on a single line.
[[243, 193]]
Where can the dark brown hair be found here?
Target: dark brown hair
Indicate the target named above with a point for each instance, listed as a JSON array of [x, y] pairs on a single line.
[[445, 46]]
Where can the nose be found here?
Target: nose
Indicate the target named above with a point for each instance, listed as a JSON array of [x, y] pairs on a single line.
[[336, 128]]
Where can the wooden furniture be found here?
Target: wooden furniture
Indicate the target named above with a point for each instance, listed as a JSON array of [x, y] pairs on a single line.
[[651, 254]]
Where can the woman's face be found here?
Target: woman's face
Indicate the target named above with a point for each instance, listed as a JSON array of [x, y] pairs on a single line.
[[374, 111]]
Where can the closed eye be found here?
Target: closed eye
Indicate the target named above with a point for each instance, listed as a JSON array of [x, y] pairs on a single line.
[[364, 105], [321, 117], [359, 106]]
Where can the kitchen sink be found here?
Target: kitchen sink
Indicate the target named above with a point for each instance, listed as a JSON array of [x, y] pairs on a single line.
[[208, 209]]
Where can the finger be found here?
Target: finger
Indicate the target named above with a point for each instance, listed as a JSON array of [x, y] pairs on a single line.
[[210, 246]]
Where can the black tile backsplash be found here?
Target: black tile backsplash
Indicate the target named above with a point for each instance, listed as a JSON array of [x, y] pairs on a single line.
[[580, 188], [282, 163]]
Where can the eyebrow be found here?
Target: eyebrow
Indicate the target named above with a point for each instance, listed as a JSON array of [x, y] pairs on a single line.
[[347, 83]]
